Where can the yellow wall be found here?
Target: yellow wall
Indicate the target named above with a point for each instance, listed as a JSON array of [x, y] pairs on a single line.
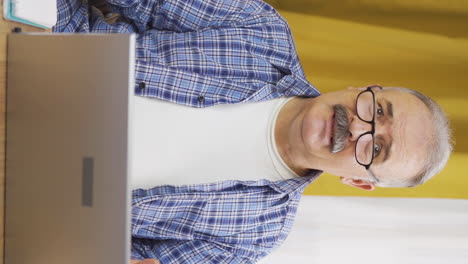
[[420, 44]]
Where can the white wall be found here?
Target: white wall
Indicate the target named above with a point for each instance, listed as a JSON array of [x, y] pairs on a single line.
[[338, 230]]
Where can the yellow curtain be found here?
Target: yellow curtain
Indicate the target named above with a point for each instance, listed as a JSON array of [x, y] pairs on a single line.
[[419, 44]]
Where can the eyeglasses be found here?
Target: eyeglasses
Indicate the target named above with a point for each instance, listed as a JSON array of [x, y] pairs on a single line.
[[365, 144]]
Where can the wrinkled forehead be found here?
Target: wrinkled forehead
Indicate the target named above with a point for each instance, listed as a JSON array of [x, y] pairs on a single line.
[[411, 131]]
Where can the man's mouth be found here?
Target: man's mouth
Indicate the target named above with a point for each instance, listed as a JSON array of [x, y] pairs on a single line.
[[339, 132], [332, 130]]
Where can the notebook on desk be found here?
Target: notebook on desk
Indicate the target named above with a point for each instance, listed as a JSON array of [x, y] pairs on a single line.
[[38, 13]]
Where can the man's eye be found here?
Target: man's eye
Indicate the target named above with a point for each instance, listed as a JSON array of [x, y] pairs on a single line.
[[380, 111], [377, 150]]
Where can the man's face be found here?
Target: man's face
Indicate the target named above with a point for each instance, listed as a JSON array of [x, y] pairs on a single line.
[[402, 132]]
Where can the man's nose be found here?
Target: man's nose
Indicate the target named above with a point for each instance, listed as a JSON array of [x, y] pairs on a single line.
[[357, 127]]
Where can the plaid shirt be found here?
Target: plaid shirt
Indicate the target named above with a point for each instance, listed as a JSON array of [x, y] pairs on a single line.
[[201, 53], [219, 223]]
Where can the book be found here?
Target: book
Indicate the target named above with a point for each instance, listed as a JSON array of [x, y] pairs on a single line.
[[38, 13]]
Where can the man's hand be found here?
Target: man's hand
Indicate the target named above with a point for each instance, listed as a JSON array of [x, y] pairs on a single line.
[[144, 261]]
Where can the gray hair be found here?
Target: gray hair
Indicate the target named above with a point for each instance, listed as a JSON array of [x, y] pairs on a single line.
[[440, 147]]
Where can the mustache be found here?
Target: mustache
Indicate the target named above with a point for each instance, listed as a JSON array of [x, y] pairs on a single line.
[[341, 133]]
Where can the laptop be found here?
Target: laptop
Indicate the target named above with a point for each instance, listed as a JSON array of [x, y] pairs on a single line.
[[69, 109]]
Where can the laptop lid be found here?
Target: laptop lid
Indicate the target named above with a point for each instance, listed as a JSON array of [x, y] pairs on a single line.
[[69, 108]]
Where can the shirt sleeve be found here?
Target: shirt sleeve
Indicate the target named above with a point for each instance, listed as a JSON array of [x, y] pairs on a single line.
[[72, 16], [224, 222], [192, 15], [186, 252]]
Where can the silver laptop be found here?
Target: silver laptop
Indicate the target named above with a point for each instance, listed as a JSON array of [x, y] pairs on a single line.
[[69, 109]]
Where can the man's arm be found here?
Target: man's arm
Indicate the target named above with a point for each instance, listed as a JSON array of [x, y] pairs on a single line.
[[228, 222], [192, 15]]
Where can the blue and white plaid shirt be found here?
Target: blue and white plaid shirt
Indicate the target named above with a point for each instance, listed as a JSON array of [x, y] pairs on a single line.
[[226, 222], [202, 53]]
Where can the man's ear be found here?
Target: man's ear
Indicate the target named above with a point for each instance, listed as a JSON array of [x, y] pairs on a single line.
[[361, 184]]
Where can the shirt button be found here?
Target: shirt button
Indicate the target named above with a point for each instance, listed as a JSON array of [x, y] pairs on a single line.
[[201, 98], [142, 85]]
